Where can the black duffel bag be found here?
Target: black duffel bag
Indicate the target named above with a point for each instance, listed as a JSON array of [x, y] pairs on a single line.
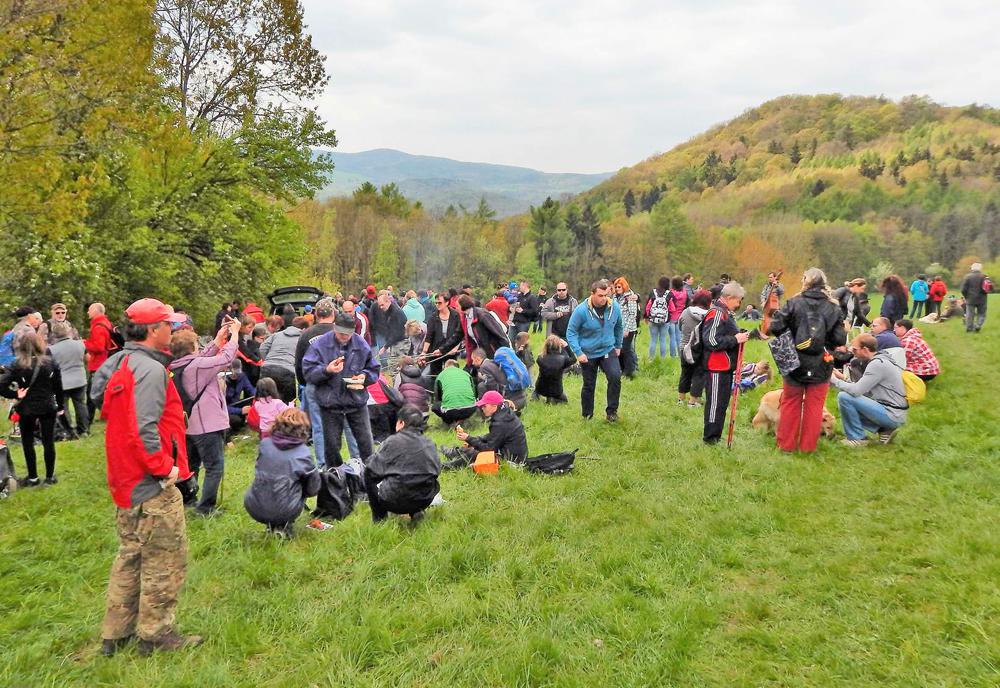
[[335, 499], [556, 463]]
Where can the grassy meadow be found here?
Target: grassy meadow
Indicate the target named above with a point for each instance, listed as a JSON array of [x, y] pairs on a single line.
[[661, 562]]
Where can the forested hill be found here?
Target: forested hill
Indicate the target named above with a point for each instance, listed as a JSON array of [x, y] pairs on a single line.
[[441, 182], [845, 182]]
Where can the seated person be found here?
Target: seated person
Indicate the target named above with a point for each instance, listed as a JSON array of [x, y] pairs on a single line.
[[489, 374], [413, 385], [750, 313], [753, 375], [885, 337], [887, 341], [456, 394], [239, 390], [875, 403], [266, 406], [402, 476], [522, 347], [552, 365], [284, 474], [383, 403], [506, 435], [920, 360]]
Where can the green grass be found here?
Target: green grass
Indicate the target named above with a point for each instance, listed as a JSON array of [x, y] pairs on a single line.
[[662, 563]]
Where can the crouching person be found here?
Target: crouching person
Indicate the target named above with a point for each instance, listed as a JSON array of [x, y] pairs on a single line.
[[876, 402], [284, 474], [506, 436], [402, 476]]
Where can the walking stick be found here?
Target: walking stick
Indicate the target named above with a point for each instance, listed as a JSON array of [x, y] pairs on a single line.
[[736, 396]]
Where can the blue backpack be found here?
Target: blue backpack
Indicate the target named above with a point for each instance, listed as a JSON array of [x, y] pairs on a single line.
[[7, 348], [518, 377]]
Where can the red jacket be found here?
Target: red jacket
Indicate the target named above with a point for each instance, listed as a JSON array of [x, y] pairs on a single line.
[[99, 344], [145, 435], [254, 311], [500, 306], [938, 290]]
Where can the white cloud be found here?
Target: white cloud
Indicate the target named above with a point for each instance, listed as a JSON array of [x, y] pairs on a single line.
[[590, 86]]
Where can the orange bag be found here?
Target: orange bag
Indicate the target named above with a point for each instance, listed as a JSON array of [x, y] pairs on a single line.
[[486, 463]]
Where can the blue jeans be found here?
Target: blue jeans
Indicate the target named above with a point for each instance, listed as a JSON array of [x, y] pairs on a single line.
[[860, 414], [207, 450], [312, 410], [657, 333], [674, 331]]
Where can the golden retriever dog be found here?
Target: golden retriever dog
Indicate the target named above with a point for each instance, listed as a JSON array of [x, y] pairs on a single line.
[[768, 412]]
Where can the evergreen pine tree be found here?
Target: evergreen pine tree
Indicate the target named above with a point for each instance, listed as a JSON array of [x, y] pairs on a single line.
[[795, 155], [629, 202]]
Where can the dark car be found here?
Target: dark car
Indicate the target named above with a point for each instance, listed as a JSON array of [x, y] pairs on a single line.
[[298, 297]]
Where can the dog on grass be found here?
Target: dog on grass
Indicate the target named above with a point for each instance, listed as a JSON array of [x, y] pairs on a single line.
[[769, 410]]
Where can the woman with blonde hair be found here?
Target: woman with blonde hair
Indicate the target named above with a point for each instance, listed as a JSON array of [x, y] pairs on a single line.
[[813, 319], [284, 474], [628, 301]]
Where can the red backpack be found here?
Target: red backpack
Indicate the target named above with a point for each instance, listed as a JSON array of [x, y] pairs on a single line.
[[128, 462]]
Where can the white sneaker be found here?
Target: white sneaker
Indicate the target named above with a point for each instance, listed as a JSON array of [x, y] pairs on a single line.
[[438, 500], [854, 443], [886, 437]]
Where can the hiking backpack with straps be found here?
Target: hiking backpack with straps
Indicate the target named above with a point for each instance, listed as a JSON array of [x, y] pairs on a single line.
[[117, 340], [187, 401], [518, 377], [659, 311], [691, 353]]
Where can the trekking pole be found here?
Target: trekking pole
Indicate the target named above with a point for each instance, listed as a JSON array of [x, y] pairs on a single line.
[[736, 396]]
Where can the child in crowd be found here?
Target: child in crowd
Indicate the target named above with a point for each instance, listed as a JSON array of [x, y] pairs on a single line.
[[552, 365], [266, 406], [284, 474], [383, 402], [754, 375], [522, 347], [413, 385], [238, 390]]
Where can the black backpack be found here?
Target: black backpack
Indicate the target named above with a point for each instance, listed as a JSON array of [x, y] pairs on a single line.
[[117, 340], [335, 498], [810, 335], [558, 463], [8, 477], [187, 401]]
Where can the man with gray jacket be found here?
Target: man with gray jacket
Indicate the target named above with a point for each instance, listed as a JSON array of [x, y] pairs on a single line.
[[556, 311], [278, 354], [69, 354], [876, 402]]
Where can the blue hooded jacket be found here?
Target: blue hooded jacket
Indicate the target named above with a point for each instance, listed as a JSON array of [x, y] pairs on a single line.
[[331, 391], [592, 335]]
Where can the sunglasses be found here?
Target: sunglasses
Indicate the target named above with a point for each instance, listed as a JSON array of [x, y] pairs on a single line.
[[560, 290]]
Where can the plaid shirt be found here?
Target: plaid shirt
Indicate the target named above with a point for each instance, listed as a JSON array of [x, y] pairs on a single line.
[[920, 360]]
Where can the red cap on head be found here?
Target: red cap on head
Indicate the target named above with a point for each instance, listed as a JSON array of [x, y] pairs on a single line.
[[491, 397], [151, 311], [370, 290]]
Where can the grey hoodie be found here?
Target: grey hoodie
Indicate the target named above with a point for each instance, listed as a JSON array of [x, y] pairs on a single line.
[[882, 382], [279, 349]]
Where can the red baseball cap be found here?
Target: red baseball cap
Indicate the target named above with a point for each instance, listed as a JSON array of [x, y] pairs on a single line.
[[370, 290], [151, 311], [491, 397]]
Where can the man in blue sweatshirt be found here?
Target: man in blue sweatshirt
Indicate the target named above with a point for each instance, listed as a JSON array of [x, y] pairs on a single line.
[[596, 330]]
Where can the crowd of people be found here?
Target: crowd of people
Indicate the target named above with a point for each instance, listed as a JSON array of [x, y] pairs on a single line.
[[370, 371]]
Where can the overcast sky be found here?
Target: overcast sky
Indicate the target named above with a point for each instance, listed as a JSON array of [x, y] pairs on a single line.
[[589, 86]]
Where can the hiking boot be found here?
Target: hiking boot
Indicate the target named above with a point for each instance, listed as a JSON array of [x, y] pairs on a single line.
[[854, 443], [612, 417], [51, 480], [169, 642], [109, 647], [450, 452], [885, 436]]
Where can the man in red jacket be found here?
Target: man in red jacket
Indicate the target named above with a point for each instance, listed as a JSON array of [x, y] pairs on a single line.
[[98, 345], [145, 448]]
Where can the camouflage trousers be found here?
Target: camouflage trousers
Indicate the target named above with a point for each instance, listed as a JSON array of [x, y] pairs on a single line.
[[149, 570]]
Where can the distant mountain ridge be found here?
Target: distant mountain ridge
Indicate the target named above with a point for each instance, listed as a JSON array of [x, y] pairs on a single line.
[[439, 182]]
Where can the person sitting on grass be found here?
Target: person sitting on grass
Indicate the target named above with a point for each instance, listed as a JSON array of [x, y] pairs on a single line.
[[456, 394], [284, 474], [402, 476], [489, 374], [383, 403], [753, 375], [238, 390], [750, 313], [920, 360], [266, 406], [413, 386], [875, 403], [506, 435], [522, 347], [552, 365]]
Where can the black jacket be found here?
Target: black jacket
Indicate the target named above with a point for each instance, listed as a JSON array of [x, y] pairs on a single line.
[[811, 317], [861, 306], [972, 288], [405, 467], [506, 436], [718, 339], [389, 324], [529, 308], [453, 337], [550, 374], [45, 394], [489, 334]]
